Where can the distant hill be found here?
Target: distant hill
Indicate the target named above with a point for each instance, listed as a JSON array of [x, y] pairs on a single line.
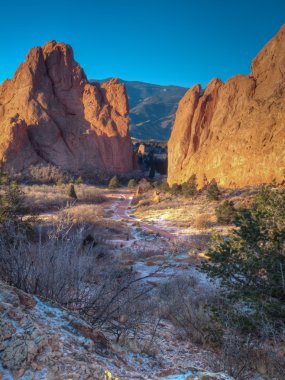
[[152, 108]]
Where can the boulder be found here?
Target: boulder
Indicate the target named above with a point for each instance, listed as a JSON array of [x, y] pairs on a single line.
[[88, 332], [26, 299]]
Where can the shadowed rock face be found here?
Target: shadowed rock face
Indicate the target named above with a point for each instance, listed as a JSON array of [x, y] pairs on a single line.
[[50, 113], [234, 132]]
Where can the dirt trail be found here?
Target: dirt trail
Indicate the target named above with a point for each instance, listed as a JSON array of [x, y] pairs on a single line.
[[123, 199]]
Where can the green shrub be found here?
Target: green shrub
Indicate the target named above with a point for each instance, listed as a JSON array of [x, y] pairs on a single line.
[[163, 186], [226, 212], [132, 183], [151, 172], [189, 188], [78, 181], [213, 192], [59, 182], [3, 178], [11, 201], [71, 192], [175, 189], [251, 262], [12, 226], [114, 183]]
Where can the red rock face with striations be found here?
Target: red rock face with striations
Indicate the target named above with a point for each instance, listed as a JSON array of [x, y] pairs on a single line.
[[234, 132], [50, 113]]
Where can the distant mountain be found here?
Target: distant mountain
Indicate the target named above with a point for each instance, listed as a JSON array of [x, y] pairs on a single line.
[[152, 108]]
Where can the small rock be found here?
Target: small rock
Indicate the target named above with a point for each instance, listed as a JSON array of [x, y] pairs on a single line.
[[88, 332], [26, 299]]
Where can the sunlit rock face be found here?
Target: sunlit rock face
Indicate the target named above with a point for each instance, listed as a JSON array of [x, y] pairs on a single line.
[[234, 132], [50, 113]]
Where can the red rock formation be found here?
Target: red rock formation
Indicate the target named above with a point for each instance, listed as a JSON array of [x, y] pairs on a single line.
[[50, 113], [234, 132]]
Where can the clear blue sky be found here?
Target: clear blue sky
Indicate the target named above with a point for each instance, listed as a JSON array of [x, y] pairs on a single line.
[[178, 42]]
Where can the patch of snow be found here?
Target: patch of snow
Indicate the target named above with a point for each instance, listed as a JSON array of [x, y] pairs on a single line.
[[181, 376], [6, 374]]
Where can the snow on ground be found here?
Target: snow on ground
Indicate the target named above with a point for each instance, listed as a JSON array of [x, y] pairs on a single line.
[[184, 376], [181, 356], [122, 362]]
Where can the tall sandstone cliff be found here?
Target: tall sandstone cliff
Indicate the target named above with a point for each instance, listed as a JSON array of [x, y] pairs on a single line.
[[50, 113], [234, 132]]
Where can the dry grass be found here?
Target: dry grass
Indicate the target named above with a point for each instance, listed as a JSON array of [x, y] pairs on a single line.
[[203, 222], [46, 198], [177, 210], [189, 215], [90, 194], [85, 213]]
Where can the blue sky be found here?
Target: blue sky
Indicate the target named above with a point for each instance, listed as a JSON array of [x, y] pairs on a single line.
[[179, 42]]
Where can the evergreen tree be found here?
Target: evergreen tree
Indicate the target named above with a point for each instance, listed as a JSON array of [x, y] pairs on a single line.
[[189, 188], [4, 180], [175, 189], [71, 192], [151, 173], [79, 181], [164, 186], [12, 199], [251, 263], [226, 212], [114, 183], [213, 192], [132, 183]]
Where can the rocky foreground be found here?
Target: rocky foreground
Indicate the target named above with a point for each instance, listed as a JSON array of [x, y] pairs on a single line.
[[50, 113], [234, 132], [41, 341]]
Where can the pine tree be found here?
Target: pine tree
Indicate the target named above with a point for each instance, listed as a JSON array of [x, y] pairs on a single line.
[[132, 183], [213, 192], [226, 212], [114, 183], [71, 192], [251, 262], [189, 188], [12, 199], [79, 181]]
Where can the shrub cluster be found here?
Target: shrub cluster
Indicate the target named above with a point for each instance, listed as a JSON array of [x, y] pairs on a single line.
[[213, 191], [114, 183], [132, 183], [226, 212], [71, 192], [251, 262], [188, 188], [203, 222]]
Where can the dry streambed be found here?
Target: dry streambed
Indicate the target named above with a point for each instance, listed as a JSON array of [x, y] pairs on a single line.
[[159, 241]]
